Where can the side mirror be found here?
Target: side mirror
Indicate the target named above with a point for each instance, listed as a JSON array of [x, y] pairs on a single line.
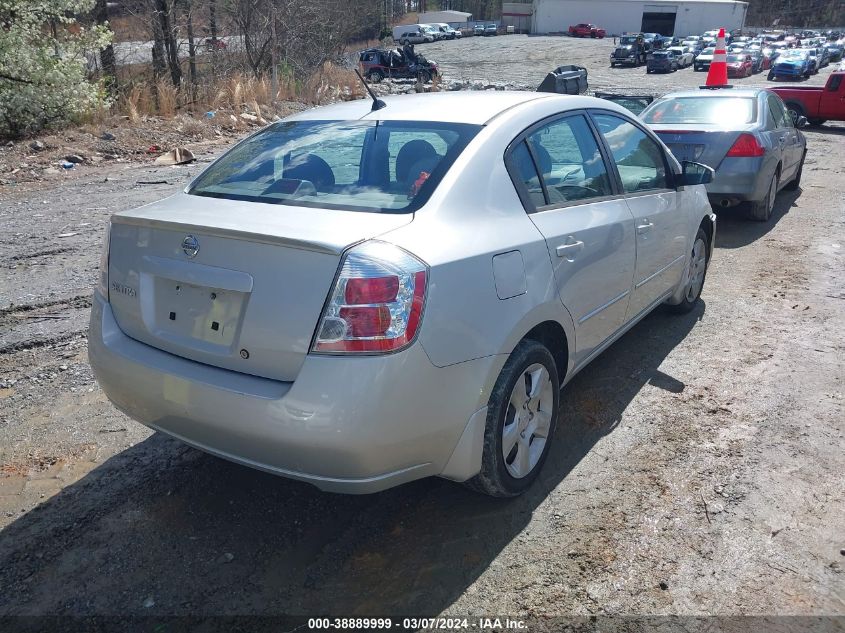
[[802, 122], [695, 174]]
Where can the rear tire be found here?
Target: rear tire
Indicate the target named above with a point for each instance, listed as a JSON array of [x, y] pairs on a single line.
[[694, 274], [529, 377], [375, 76], [796, 182], [761, 210]]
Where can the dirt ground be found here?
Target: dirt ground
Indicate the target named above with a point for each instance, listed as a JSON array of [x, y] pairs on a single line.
[[698, 467], [525, 60]]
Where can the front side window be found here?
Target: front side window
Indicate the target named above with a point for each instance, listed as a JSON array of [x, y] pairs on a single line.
[[569, 161], [639, 159], [378, 166]]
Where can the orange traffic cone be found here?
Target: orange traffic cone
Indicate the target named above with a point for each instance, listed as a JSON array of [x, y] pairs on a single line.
[[718, 74]]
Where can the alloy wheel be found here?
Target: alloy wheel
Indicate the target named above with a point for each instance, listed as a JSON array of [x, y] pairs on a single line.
[[527, 421], [696, 269]]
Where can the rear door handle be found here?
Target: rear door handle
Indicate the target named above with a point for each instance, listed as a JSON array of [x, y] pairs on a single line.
[[644, 228], [569, 250]]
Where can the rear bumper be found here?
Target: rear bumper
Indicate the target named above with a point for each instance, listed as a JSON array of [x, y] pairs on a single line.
[[352, 425], [740, 179]]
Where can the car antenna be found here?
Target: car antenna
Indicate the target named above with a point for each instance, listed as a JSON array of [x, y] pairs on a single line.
[[378, 104]]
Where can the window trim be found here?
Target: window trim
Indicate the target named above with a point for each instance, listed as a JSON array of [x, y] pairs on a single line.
[[522, 191], [671, 175]]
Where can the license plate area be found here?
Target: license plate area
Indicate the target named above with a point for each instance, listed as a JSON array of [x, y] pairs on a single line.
[[195, 316]]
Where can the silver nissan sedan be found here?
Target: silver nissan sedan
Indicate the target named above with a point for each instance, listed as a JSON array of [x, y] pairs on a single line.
[[360, 296]]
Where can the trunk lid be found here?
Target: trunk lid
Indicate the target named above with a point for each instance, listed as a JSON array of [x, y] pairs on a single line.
[[237, 285], [699, 143]]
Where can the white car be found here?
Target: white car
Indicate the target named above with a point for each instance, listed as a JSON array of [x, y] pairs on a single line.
[[368, 293], [684, 56]]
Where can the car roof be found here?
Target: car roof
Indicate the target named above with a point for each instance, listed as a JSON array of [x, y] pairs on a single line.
[[470, 106]]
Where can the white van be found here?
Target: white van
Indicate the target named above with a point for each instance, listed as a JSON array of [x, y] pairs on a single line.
[[412, 34], [448, 32]]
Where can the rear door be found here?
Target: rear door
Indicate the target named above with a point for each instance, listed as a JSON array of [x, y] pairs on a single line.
[[785, 138], [564, 180], [661, 225]]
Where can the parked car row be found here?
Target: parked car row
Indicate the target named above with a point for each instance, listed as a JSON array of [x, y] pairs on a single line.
[[782, 55], [424, 33]]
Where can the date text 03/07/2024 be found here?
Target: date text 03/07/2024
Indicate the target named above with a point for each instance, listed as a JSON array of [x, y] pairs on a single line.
[[414, 624]]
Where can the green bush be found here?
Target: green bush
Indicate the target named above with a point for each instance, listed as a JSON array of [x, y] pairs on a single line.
[[43, 64]]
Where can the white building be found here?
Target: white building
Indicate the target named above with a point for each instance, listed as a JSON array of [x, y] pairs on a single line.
[[668, 17]]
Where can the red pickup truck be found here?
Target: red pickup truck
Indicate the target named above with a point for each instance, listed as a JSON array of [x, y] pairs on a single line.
[[817, 104], [586, 30]]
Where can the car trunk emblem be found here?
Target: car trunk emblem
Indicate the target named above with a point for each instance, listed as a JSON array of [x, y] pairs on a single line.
[[190, 246]]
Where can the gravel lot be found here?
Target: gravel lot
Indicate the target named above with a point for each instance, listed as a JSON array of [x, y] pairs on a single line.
[[525, 60], [698, 468]]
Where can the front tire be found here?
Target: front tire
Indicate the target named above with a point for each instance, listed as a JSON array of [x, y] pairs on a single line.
[[694, 274], [521, 418]]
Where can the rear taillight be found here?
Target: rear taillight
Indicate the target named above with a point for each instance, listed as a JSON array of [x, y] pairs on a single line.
[[376, 303], [746, 146], [103, 280]]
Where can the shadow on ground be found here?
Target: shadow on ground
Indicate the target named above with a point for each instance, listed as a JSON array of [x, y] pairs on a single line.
[[735, 230], [187, 533]]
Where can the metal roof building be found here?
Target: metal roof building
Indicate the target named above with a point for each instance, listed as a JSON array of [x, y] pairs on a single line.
[[448, 17], [667, 17]]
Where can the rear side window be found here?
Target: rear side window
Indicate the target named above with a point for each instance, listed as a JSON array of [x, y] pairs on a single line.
[[527, 173], [384, 166], [835, 82], [778, 112], [639, 159], [570, 163]]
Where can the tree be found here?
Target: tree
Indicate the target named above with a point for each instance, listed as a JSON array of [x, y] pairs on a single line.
[[43, 63]]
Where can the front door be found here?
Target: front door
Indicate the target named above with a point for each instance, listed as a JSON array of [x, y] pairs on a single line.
[[588, 227], [660, 225]]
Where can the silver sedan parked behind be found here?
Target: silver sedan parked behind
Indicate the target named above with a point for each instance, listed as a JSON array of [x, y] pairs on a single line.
[[359, 297], [747, 136]]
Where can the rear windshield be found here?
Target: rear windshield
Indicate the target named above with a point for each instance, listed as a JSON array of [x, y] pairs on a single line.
[[724, 111], [380, 166], [736, 58]]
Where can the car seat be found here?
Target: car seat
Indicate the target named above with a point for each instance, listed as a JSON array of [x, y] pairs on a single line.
[[312, 168], [415, 156]]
